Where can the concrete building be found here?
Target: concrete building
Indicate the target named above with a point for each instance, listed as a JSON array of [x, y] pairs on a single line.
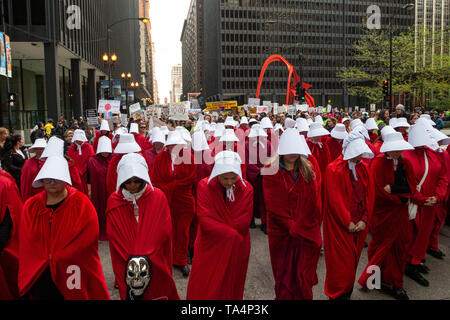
[[237, 36], [177, 84]]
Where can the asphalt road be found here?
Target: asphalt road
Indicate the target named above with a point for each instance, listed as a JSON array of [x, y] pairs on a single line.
[[260, 284]]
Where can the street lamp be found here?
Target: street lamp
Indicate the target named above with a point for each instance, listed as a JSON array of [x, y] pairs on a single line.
[[405, 7], [126, 78], [108, 32]]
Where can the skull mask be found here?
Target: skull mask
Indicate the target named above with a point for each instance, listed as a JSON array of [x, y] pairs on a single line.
[[138, 275]]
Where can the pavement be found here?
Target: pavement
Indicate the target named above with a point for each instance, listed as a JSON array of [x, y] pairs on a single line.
[[260, 283]]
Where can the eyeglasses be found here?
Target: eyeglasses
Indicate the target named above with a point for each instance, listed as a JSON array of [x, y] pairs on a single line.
[[135, 181], [143, 128]]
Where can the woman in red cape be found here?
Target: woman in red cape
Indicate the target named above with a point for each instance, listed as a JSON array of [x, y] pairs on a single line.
[[433, 192], [176, 180], [97, 170], [105, 131], [139, 224], [229, 141], [319, 149], [348, 205], [389, 224], [10, 214], [293, 203], [58, 249], [222, 248], [335, 140], [31, 169], [80, 152]]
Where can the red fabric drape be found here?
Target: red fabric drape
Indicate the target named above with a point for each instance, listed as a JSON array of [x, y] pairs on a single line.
[[293, 210], [30, 171], [9, 264], [81, 161], [60, 239], [222, 248], [343, 249], [98, 169], [151, 236], [389, 225], [334, 147]]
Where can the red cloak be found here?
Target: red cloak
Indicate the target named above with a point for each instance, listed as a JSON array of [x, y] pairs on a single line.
[[442, 213], [97, 137], [322, 154], [222, 248], [9, 264], [59, 240], [98, 169], [141, 141], [389, 224], [177, 186], [30, 171], [81, 161], [435, 184], [335, 147], [293, 213], [151, 236], [343, 249]]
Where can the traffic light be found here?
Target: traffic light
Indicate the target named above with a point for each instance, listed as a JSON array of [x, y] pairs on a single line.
[[386, 90], [301, 92]]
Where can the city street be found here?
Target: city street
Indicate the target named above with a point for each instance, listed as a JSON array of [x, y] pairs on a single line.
[[260, 283]]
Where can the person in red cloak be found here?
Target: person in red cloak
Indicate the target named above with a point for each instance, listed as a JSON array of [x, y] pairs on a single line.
[[348, 205], [10, 214], [140, 233], [80, 152], [139, 137], [158, 141], [335, 140], [402, 125], [433, 244], [257, 155], [293, 202], [58, 248], [243, 130], [372, 129], [31, 169], [126, 145], [229, 141], [319, 149], [105, 131], [222, 248], [203, 166], [174, 173], [428, 166], [389, 224], [272, 137], [97, 171]]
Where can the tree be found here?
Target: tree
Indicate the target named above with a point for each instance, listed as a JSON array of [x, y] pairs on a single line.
[[412, 73]]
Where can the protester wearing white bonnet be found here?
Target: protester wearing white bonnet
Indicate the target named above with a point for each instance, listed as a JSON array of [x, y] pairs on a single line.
[[78, 140], [132, 165], [293, 143], [289, 123], [55, 147], [54, 168], [354, 148], [104, 145], [339, 132], [127, 144], [302, 126]]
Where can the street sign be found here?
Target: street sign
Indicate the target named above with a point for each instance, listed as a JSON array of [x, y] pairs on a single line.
[[92, 119]]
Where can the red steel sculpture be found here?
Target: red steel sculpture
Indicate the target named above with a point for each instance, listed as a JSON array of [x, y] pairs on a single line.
[[291, 92]]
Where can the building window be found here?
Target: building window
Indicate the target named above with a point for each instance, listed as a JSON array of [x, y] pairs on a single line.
[[37, 12], [20, 12]]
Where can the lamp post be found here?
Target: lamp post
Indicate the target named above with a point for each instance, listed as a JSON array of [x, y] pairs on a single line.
[[405, 7], [107, 56], [126, 78]]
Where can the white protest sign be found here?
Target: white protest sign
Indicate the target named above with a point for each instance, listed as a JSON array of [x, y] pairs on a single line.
[[302, 107], [292, 110], [112, 106], [372, 107], [179, 112], [329, 108], [254, 102], [124, 120], [262, 109], [320, 109], [134, 107]]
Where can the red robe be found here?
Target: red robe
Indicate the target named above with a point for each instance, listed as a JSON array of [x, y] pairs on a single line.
[[9, 263], [322, 155], [150, 154], [343, 249], [373, 136], [97, 137], [435, 184], [151, 237], [377, 146], [253, 173], [111, 177], [98, 168], [59, 240], [30, 171], [335, 147], [142, 142], [293, 212], [242, 135], [442, 213], [81, 161], [222, 248], [389, 224], [177, 186]]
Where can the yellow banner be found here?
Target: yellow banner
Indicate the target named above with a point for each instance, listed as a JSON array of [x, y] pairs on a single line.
[[221, 105]]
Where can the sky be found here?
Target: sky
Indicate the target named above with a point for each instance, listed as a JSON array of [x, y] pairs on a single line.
[[167, 19]]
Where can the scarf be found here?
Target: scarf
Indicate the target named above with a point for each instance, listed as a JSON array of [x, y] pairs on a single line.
[[352, 167], [230, 193], [319, 143], [133, 197], [79, 148]]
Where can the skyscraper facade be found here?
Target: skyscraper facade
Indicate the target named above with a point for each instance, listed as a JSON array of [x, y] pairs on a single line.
[[177, 83]]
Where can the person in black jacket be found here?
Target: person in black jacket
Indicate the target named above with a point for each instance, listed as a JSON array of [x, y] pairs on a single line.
[[13, 157], [39, 133]]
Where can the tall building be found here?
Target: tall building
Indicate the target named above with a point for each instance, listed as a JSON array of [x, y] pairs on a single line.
[[147, 72], [239, 35], [177, 84], [432, 16], [155, 98], [57, 48]]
